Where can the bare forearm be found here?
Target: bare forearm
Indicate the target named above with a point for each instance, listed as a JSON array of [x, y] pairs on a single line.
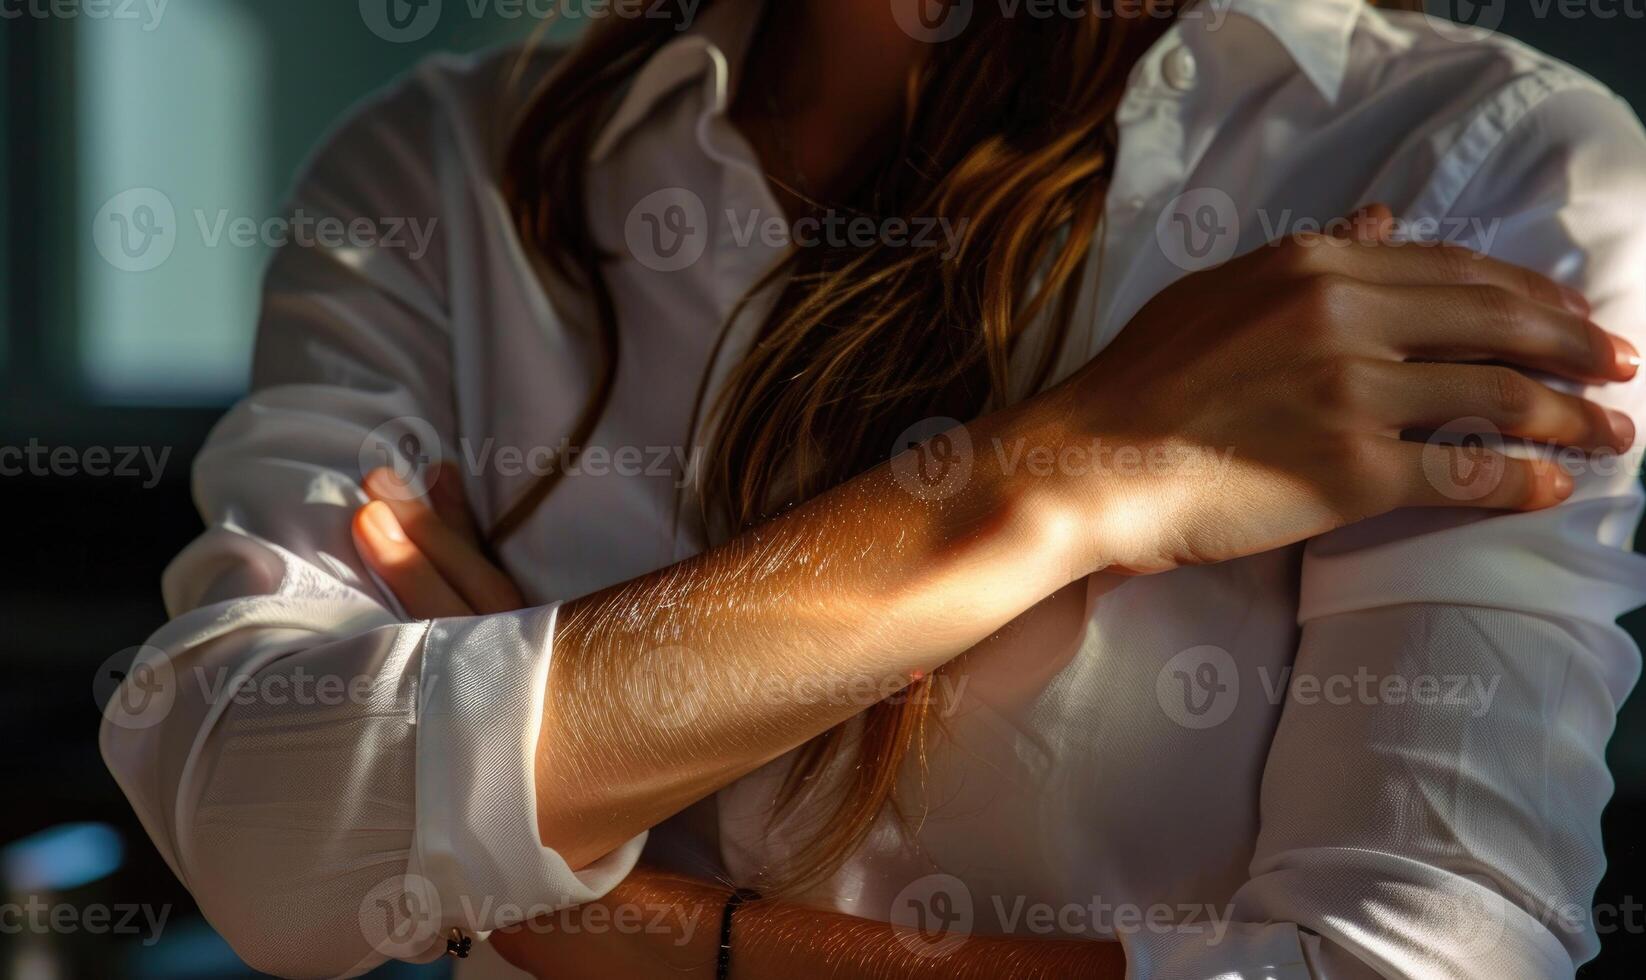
[[674, 934], [670, 686], [869, 583], [779, 939]]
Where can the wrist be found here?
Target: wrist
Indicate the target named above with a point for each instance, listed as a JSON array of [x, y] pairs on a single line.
[[686, 915], [654, 924], [1043, 498], [979, 534], [1100, 494]]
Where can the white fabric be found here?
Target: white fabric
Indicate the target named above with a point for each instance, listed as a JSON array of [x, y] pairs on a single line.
[[1345, 836]]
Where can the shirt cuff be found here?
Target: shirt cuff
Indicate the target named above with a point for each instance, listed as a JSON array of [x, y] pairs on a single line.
[[477, 862], [1230, 951]]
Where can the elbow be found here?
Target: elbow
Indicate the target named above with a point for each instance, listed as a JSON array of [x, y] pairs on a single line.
[[291, 915], [582, 834]]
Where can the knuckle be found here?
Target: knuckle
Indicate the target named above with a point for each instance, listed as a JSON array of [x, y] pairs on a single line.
[[1324, 295], [1589, 421], [1300, 254], [1512, 394], [1357, 459], [1535, 286], [1519, 485], [1354, 453], [1497, 309], [1585, 345], [1454, 264], [1317, 306], [1339, 385]]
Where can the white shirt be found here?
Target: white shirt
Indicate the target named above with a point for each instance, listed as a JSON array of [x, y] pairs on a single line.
[[1430, 807]]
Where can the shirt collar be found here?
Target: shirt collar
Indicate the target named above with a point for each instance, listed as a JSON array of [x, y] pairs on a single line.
[[1315, 33], [716, 44]]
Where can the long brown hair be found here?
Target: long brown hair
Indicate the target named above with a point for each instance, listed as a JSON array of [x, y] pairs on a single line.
[[1010, 136]]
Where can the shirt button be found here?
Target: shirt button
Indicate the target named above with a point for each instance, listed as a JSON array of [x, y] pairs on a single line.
[[1180, 68]]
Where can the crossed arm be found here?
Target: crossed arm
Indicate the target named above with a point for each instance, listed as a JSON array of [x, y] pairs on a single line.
[[426, 550]]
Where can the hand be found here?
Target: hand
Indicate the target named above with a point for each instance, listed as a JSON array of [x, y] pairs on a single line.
[[427, 551], [1288, 376]]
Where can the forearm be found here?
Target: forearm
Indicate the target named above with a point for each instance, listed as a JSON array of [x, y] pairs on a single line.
[[674, 934], [868, 584], [670, 686], [780, 939]]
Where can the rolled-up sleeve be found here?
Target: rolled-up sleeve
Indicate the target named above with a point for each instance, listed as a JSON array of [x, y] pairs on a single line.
[[1432, 807], [335, 785]]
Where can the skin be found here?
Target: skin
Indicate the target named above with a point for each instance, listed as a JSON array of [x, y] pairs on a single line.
[[1310, 384], [1300, 365], [1297, 377], [829, 127], [429, 553]]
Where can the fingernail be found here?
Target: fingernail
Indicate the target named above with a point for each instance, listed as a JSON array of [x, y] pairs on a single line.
[[1623, 426], [1628, 358], [382, 520], [1574, 301], [1563, 484]]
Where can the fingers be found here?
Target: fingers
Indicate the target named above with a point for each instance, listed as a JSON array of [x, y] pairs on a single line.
[[1367, 247], [1488, 323], [1372, 223], [385, 546], [1476, 476], [446, 494], [1446, 302], [1428, 264], [1432, 396], [1383, 259], [482, 586]]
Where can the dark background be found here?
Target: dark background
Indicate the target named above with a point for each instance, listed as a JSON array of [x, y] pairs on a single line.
[[83, 555]]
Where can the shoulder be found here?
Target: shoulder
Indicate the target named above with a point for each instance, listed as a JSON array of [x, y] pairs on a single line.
[[407, 171], [1466, 94], [448, 110], [1516, 153], [1397, 43]]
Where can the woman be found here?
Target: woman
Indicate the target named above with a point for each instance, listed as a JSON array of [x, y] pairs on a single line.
[[1039, 678]]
